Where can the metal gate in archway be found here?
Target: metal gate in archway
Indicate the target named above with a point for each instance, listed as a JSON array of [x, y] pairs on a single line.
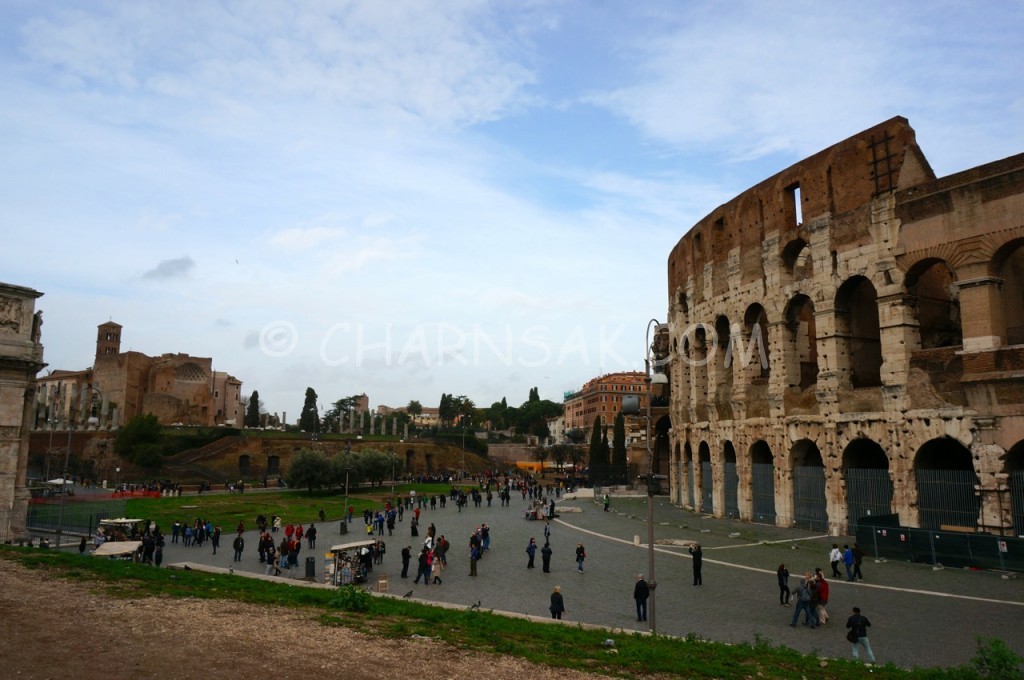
[[763, 492], [706, 488], [946, 499], [868, 492], [809, 508], [1017, 499], [732, 486], [680, 482], [689, 483]]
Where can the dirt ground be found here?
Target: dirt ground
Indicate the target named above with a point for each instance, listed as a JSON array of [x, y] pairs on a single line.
[[53, 628]]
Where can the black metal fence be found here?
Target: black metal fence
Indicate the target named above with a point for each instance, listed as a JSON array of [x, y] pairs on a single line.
[[868, 493], [77, 517], [763, 492], [707, 485], [732, 487], [883, 537], [809, 507]]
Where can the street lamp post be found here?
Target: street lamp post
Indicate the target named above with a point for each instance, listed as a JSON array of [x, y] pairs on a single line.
[[67, 459]]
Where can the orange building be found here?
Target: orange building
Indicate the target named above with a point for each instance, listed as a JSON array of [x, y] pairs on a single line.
[[602, 397]]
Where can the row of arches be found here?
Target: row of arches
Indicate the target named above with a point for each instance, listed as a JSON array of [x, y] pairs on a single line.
[[941, 487], [717, 356]]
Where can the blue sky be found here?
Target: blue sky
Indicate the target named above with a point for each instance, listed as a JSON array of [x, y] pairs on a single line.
[[410, 198]]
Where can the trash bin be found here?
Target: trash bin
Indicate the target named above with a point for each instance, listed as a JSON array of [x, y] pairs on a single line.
[[310, 567], [344, 527]]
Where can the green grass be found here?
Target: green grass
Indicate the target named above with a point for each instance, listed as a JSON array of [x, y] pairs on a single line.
[[557, 646], [226, 510]]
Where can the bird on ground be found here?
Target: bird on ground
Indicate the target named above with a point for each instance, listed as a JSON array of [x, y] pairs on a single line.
[[475, 606], [408, 594]]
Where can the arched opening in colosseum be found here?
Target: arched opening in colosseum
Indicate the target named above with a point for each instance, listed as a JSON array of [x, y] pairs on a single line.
[[697, 355], [801, 357], [688, 462], [868, 484], [1010, 260], [707, 481], [732, 482], [945, 486], [662, 446], [796, 257], [1014, 467], [754, 360], [722, 368], [762, 482], [857, 331], [937, 299], [810, 510], [244, 465], [680, 479]]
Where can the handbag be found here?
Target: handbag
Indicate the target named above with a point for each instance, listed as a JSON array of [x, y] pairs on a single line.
[[851, 635]]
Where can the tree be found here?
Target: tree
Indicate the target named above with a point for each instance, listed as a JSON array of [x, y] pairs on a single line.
[[374, 465], [576, 435], [309, 419], [139, 431], [561, 453], [534, 394], [309, 469], [618, 468], [252, 411], [414, 409], [598, 454], [541, 454], [346, 466]]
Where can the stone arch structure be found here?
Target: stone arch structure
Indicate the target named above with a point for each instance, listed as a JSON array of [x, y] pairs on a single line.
[[892, 309], [722, 367], [755, 362], [1009, 264], [731, 478], [762, 483], [691, 497], [946, 482], [810, 507], [858, 331], [797, 260], [932, 286], [868, 482], [801, 356], [707, 479]]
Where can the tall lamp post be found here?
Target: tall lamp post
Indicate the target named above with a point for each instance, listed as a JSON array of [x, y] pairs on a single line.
[[67, 457], [631, 406]]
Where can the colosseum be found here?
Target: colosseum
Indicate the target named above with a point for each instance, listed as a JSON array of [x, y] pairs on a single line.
[[846, 339]]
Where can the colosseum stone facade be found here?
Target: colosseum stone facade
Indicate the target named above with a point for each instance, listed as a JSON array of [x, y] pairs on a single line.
[[846, 339]]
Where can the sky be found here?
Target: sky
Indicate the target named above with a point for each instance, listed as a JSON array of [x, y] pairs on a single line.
[[410, 198]]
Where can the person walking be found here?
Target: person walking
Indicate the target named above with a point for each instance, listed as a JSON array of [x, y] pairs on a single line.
[[641, 591], [239, 546], [858, 558], [698, 563], [531, 550], [822, 590], [581, 555], [784, 592], [215, 539], [421, 567], [848, 562], [474, 557], [803, 602], [607, 502], [406, 558], [858, 634], [545, 558], [557, 603], [311, 534], [835, 556]]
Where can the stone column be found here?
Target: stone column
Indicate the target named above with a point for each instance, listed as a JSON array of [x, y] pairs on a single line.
[[981, 309]]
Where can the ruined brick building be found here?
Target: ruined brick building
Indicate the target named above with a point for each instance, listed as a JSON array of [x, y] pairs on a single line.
[[176, 388], [846, 339]]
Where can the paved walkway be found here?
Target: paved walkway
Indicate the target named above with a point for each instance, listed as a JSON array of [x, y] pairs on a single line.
[[920, 616]]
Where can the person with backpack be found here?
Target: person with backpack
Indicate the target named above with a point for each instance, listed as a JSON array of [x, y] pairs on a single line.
[[803, 602], [857, 634]]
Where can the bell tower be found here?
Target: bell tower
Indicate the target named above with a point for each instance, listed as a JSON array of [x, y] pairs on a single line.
[[108, 340]]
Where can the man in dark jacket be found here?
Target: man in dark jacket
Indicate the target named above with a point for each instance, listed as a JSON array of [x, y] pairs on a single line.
[[641, 591], [858, 625]]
